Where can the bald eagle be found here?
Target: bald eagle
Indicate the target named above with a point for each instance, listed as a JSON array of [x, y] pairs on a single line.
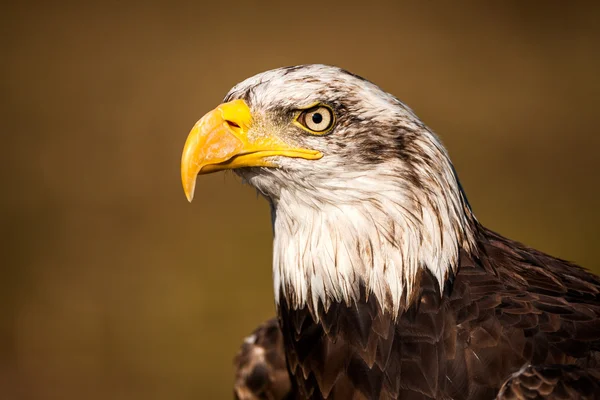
[[386, 285]]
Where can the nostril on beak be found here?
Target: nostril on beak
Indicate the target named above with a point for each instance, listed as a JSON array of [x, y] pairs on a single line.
[[232, 124]]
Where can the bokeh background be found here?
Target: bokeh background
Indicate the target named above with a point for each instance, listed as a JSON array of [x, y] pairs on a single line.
[[112, 286]]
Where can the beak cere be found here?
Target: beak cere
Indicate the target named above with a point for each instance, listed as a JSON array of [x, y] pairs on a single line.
[[220, 140]]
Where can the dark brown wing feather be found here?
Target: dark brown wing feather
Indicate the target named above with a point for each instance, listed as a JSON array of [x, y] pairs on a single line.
[[261, 371], [517, 306], [552, 382]]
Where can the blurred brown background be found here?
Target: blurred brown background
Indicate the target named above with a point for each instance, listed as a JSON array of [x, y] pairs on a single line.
[[112, 286]]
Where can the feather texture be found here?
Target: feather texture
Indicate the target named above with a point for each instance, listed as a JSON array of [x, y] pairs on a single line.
[[552, 382], [509, 306], [261, 371]]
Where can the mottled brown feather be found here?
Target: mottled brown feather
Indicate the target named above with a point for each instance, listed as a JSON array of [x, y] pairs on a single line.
[[261, 370]]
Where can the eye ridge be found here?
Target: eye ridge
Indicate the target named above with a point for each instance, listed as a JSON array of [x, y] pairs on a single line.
[[318, 119]]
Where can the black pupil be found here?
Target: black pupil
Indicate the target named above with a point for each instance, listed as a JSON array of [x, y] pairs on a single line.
[[317, 118]]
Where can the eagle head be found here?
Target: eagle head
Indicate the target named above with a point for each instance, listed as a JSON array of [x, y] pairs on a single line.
[[362, 192]]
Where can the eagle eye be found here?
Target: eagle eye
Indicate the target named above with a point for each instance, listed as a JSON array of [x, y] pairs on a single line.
[[317, 120]]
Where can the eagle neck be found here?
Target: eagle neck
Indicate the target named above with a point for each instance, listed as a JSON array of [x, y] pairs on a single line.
[[326, 251]]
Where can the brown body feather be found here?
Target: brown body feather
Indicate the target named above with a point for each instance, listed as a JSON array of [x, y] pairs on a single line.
[[508, 307], [552, 382], [261, 370]]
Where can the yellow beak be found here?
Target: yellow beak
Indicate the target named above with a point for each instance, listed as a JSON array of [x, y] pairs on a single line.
[[220, 140]]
